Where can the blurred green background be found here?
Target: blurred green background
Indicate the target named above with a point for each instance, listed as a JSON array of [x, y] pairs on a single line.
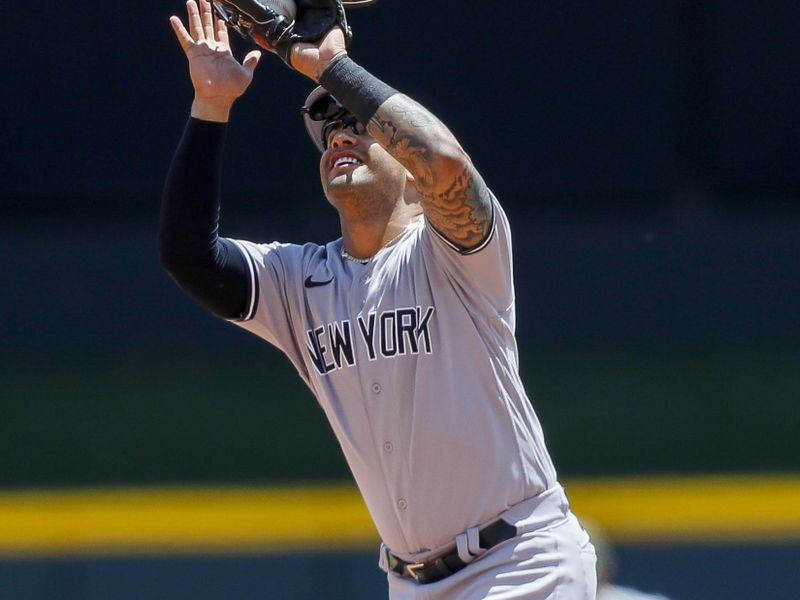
[[225, 416]]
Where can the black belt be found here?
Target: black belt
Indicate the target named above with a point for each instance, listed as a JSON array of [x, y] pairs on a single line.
[[445, 565]]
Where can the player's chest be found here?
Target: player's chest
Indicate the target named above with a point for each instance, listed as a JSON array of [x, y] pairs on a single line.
[[373, 315]]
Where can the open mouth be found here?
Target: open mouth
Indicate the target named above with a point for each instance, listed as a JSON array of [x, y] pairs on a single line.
[[346, 163]]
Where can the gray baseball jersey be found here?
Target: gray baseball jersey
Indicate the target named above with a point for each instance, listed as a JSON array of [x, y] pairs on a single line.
[[413, 359]]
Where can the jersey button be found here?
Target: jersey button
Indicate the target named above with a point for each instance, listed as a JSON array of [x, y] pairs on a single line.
[[388, 448], [402, 504], [376, 388]]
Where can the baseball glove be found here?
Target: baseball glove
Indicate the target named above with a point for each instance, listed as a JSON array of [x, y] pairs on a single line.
[[256, 21]]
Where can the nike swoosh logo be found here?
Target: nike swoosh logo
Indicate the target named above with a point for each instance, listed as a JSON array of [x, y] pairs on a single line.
[[310, 283]]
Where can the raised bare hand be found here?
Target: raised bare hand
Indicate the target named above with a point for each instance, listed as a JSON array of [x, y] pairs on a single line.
[[218, 78]]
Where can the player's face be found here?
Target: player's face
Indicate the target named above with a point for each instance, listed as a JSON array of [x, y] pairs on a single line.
[[353, 162]]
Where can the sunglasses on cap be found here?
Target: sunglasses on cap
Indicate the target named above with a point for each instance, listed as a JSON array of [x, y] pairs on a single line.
[[327, 110], [323, 108]]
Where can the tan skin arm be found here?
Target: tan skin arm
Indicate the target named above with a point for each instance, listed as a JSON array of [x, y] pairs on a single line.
[[453, 195]]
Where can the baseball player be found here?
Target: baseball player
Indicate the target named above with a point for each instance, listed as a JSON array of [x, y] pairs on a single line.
[[403, 328]]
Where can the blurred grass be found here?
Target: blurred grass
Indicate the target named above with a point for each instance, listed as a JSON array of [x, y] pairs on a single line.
[[177, 416]]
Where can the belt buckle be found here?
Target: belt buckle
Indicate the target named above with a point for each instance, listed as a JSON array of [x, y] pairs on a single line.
[[414, 571]]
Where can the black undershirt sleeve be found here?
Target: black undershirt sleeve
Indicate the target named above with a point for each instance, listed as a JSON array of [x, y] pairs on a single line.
[[212, 270]]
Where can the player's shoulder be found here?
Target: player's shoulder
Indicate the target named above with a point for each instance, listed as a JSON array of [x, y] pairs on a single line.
[[286, 251], [499, 228], [283, 257], [310, 257]]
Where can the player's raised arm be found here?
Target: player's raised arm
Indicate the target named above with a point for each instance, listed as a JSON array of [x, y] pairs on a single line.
[[207, 267], [454, 197]]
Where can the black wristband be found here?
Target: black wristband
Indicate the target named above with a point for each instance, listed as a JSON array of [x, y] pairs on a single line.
[[355, 88]]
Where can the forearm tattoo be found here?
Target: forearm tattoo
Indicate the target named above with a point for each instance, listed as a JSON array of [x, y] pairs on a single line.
[[453, 194]]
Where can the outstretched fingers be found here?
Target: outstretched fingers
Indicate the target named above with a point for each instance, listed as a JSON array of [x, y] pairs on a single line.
[[207, 17], [195, 23], [202, 25], [184, 39], [222, 32]]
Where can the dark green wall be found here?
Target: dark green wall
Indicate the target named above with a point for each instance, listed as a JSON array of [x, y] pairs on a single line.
[[228, 416]]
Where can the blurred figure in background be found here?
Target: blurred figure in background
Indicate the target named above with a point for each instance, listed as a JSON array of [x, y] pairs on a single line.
[[607, 569]]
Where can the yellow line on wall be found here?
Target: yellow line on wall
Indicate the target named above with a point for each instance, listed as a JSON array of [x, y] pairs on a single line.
[[124, 521], [692, 509], [333, 517]]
